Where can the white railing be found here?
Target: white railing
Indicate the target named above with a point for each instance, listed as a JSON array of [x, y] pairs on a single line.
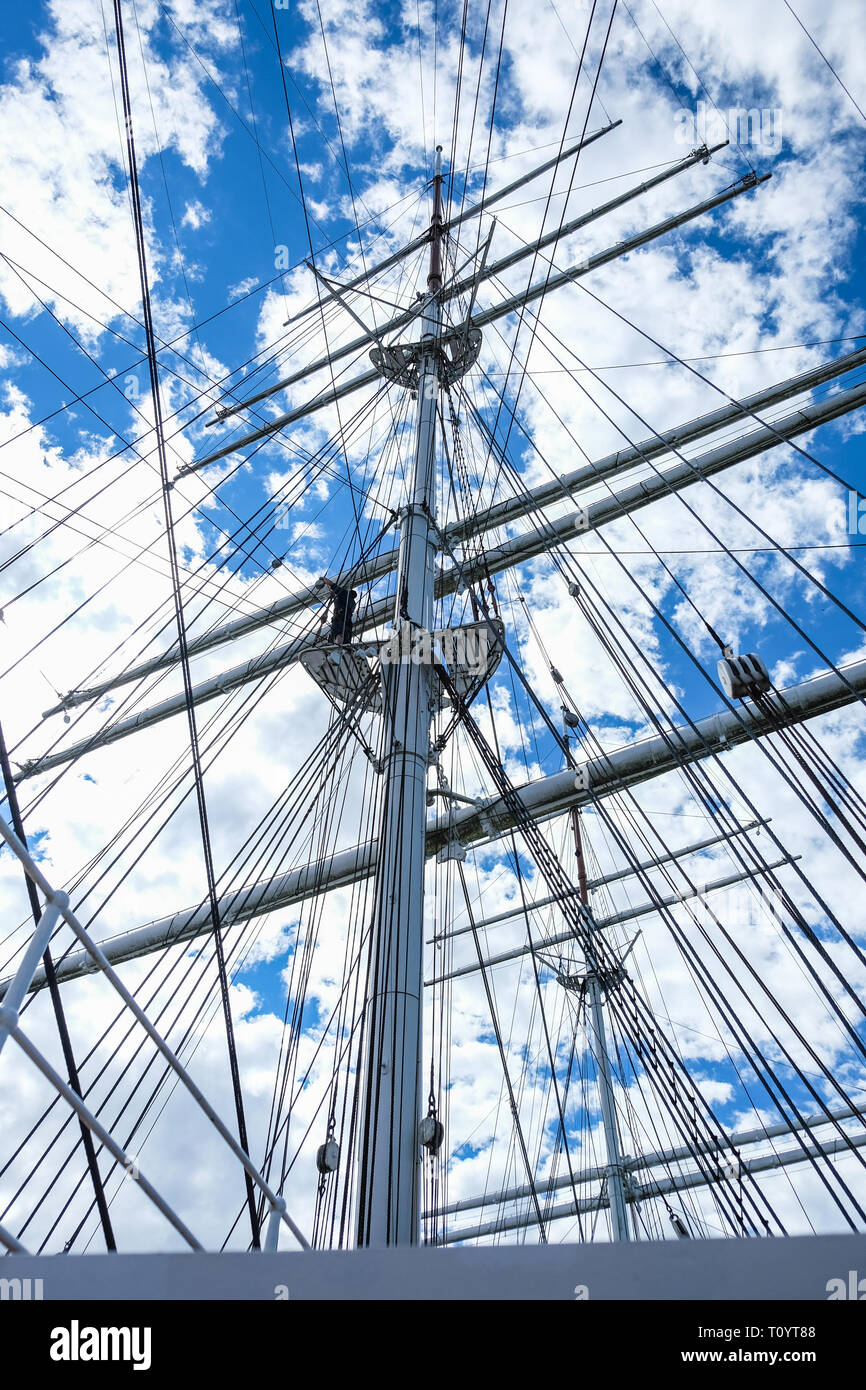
[[57, 906]]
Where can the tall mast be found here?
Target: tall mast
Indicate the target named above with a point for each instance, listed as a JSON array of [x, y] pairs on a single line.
[[388, 1206], [598, 1045]]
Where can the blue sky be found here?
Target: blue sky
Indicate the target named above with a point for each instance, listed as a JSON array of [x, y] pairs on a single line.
[[763, 288]]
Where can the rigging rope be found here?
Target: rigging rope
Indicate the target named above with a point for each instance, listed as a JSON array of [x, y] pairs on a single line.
[[178, 602]]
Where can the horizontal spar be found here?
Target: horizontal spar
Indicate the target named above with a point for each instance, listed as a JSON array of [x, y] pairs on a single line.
[[459, 287], [452, 222], [299, 602], [614, 253], [336, 871], [567, 484], [629, 914], [530, 544], [642, 1192], [659, 1158], [536, 904], [603, 469], [319, 402], [497, 311], [542, 799], [516, 551], [257, 668]]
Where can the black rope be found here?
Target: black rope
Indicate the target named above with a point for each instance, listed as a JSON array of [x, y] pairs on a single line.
[[57, 1004], [178, 600]]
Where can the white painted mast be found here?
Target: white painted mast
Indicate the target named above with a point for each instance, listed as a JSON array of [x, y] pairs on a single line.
[[388, 1204]]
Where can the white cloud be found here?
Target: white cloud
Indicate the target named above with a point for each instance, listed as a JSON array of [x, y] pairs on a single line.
[[58, 120], [764, 273], [242, 287], [195, 215]]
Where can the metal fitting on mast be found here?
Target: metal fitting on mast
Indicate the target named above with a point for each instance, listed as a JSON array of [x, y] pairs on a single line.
[[434, 278]]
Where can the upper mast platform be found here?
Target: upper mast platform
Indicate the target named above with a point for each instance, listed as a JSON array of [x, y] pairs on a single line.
[[455, 353]]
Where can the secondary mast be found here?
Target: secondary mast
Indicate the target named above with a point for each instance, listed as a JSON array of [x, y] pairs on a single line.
[[598, 1043]]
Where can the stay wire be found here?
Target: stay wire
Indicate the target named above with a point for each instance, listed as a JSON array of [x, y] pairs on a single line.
[[747, 725], [822, 55], [57, 1006], [181, 627]]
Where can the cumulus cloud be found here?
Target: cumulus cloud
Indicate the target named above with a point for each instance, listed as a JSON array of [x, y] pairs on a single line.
[[743, 297]]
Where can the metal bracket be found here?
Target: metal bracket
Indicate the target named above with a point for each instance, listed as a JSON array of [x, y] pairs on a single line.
[[398, 363], [459, 352], [452, 849]]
